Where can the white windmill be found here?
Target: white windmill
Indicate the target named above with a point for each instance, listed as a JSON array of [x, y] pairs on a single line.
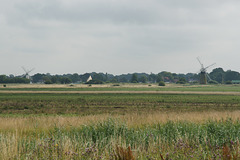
[[26, 75]]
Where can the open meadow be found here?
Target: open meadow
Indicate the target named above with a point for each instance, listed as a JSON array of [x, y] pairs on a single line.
[[119, 121]]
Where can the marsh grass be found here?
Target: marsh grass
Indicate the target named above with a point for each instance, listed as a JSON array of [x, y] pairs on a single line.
[[45, 122], [92, 138]]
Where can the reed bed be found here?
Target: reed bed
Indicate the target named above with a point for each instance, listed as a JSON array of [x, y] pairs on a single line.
[[115, 137], [30, 122]]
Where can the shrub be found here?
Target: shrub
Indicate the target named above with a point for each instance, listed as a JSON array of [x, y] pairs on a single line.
[[48, 82], [195, 82], [228, 82], [94, 82], [213, 82], [181, 82], [161, 83]]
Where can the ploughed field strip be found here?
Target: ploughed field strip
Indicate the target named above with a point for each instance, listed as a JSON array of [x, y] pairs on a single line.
[[98, 102]]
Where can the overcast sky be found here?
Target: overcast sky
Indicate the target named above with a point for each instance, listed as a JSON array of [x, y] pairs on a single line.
[[118, 36]]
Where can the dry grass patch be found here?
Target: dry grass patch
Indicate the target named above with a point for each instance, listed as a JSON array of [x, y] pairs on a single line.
[[24, 124]]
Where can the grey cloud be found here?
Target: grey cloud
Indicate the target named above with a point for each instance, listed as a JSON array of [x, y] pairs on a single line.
[[110, 33], [84, 11], [135, 11], [118, 12]]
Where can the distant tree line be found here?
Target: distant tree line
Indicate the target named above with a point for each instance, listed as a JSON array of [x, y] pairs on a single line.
[[100, 78], [11, 79], [221, 76], [218, 75]]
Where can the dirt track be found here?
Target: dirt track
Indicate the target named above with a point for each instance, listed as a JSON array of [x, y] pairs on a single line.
[[129, 92]]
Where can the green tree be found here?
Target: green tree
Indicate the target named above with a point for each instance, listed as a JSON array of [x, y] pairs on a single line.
[[123, 79], [6, 79], [114, 80], [98, 76], [54, 79], [143, 79], [159, 78], [181, 80], [3, 78], [152, 78], [37, 78], [167, 76], [134, 78], [75, 78], [65, 80], [47, 80], [218, 75], [232, 75]]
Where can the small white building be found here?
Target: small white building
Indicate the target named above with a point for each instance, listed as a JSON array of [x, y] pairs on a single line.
[[89, 78]]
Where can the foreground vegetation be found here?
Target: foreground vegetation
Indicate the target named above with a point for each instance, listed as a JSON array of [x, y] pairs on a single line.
[[119, 126], [114, 139]]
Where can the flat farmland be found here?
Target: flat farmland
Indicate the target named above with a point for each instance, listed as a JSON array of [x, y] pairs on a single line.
[[113, 103], [119, 122], [120, 87]]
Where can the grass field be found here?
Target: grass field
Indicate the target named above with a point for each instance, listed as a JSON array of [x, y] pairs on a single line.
[[119, 125], [83, 104]]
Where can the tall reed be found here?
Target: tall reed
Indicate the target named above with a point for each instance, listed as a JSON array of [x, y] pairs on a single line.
[[176, 140]]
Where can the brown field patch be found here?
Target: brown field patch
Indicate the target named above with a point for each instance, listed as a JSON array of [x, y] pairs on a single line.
[[125, 92]]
